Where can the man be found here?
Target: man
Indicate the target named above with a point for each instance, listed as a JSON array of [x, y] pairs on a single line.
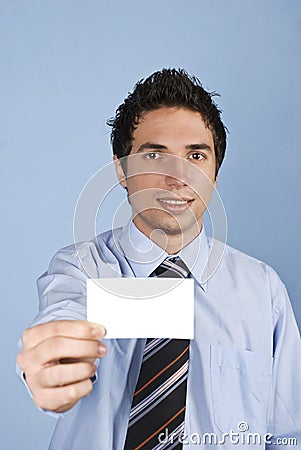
[[245, 359]]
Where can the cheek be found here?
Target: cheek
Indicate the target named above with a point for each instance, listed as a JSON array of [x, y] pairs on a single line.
[[203, 187], [142, 183], [142, 191]]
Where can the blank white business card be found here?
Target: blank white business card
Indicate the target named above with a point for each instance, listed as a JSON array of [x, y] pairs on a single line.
[[142, 307]]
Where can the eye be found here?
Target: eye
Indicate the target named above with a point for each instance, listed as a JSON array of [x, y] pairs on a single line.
[[196, 156], [152, 155]]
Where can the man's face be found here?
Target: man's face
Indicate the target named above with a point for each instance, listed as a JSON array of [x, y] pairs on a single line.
[[170, 171]]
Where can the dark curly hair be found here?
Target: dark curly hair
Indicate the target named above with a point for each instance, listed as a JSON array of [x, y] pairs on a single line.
[[166, 88]]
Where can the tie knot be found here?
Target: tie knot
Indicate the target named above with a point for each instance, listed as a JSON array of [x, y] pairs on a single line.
[[172, 267]]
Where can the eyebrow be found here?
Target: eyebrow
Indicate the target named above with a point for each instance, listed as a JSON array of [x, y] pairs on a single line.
[[154, 146]]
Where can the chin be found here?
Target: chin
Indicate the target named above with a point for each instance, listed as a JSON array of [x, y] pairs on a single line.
[[170, 230], [173, 227], [167, 223]]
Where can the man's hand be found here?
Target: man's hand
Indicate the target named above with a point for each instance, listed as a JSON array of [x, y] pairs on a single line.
[[58, 359]]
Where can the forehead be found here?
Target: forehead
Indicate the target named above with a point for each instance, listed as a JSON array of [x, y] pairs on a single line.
[[176, 122]]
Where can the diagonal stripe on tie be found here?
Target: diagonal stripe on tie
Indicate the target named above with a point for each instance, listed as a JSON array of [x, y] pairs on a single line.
[[160, 396]]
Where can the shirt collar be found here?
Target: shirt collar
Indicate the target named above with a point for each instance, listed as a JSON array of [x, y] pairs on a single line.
[[144, 256]]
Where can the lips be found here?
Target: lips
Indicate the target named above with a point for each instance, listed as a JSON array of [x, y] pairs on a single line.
[[174, 204]]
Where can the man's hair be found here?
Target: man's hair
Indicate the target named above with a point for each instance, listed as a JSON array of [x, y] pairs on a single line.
[[166, 88]]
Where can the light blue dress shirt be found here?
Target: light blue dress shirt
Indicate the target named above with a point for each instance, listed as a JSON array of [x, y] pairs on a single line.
[[244, 381]]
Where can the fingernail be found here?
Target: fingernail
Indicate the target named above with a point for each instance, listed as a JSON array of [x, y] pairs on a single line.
[[99, 331], [101, 350]]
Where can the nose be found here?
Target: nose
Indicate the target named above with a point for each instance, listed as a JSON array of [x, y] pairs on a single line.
[[177, 173]]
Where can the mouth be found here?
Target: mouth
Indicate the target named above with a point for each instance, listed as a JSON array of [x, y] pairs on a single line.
[[175, 205]]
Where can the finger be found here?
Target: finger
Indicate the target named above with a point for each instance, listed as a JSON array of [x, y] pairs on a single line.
[[76, 360], [78, 329], [61, 399], [56, 349], [64, 374]]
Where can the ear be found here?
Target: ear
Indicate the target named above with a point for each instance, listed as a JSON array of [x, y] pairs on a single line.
[[215, 182], [120, 172]]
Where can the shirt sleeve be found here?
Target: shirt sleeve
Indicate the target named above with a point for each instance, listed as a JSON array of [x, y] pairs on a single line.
[[285, 411], [62, 289]]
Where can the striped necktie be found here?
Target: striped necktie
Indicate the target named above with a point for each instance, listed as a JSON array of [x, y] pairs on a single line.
[[160, 397]]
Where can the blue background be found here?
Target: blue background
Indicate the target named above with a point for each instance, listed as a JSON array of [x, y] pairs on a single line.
[[66, 66]]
